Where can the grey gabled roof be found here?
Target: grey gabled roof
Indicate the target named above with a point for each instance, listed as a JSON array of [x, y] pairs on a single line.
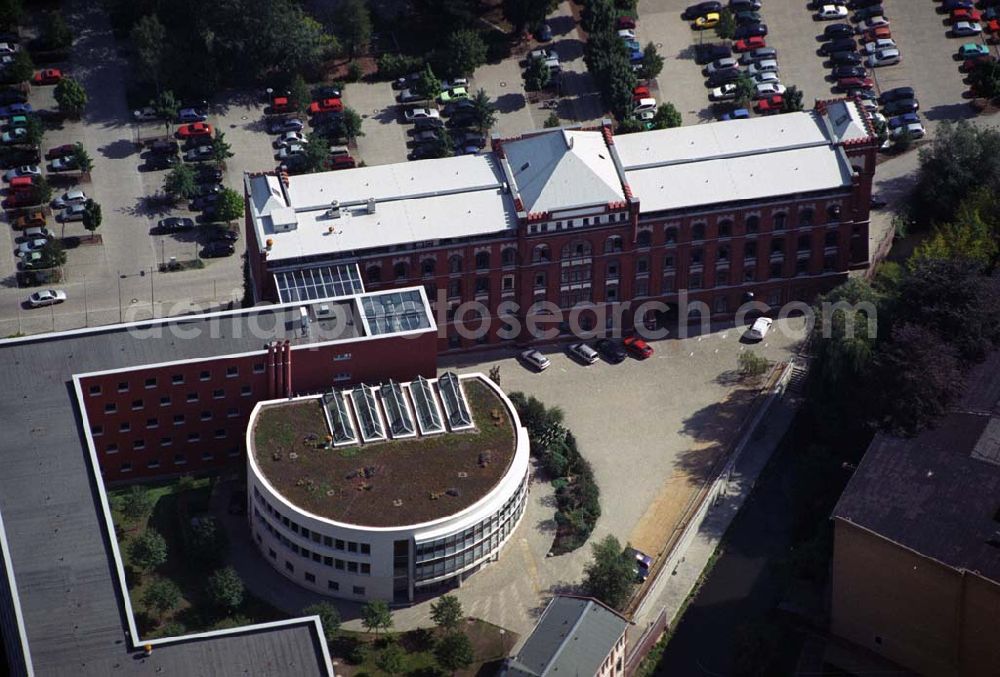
[[573, 637]]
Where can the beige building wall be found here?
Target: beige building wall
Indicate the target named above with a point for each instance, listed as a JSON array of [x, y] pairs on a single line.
[[614, 664]]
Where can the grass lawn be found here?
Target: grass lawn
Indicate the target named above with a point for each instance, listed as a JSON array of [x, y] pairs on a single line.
[[488, 644], [174, 504]]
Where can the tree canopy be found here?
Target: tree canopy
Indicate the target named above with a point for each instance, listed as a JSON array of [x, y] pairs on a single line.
[[454, 651], [328, 616], [71, 97], [225, 589], [610, 574], [376, 617], [161, 596], [446, 612], [464, 51], [147, 551], [527, 13]]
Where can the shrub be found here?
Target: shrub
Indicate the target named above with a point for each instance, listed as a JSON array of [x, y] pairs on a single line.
[[751, 365]]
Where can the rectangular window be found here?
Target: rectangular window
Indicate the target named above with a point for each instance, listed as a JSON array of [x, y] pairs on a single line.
[[166, 441], [289, 566], [232, 372], [152, 423], [233, 451], [139, 445], [352, 546], [327, 541], [220, 434], [359, 589], [366, 549], [194, 437], [328, 561], [338, 564], [96, 430], [165, 401], [192, 397], [310, 578], [205, 375], [340, 544], [258, 367], [341, 357], [218, 393], [246, 391], [366, 568], [111, 448], [177, 379], [352, 567], [151, 382], [95, 390], [123, 386], [272, 553], [207, 456], [694, 281], [153, 464], [333, 585], [180, 459], [125, 467], [124, 427], [316, 557], [233, 412], [110, 408], [342, 376], [206, 416]]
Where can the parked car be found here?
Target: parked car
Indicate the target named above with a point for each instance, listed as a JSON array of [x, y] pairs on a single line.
[[31, 245], [409, 96], [420, 113], [706, 21], [851, 84], [217, 248], [73, 212], [31, 261], [834, 31], [31, 219], [965, 14], [866, 13], [718, 65], [736, 114], [12, 136], [758, 330], [611, 350], [896, 93], [963, 29], [60, 151], [750, 30], [336, 162], [876, 45], [771, 104], [847, 71], [535, 360], [883, 57], [722, 77], [970, 64], [47, 76], [700, 9], [70, 197], [915, 130], [758, 54], [641, 563], [726, 92], [838, 45], [224, 235], [747, 16], [204, 201], [877, 33], [900, 106], [951, 5], [8, 96], [190, 115], [830, 13], [768, 89], [208, 174], [903, 120], [637, 347], [289, 138], [23, 170], [67, 163], [873, 22], [453, 94], [845, 59], [582, 352], [290, 150], [706, 53], [174, 224], [282, 125], [625, 22], [765, 66], [972, 49], [194, 129], [626, 34], [199, 154], [46, 297], [157, 161], [324, 105], [744, 5]]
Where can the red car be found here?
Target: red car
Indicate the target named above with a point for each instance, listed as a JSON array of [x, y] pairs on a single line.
[[747, 44], [638, 348], [853, 84], [281, 104], [771, 104], [970, 64], [877, 33], [992, 26], [326, 105], [60, 151], [47, 76], [641, 92], [963, 14], [341, 162], [625, 22], [195, 129]]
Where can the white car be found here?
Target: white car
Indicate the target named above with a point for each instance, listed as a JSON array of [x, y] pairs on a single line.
[[882, 43], [645, 116], [627, 34], [726, 64], [8, 48], [26, 248], [884, 57], [644, 105], [723, 93], [759, 329], [421, 114], [288, 138], [915, 130], [457, 82], [769, 89], [831, 12], [46, 297], [765, 66], [73, 212], [583, 352], [71, 197], [24, 170], [873, 22], [147, 114], [763, 78], [288, 151], [966, 28], [535, 360]]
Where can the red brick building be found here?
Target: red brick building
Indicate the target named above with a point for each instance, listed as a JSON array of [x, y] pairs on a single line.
[[773, 208]]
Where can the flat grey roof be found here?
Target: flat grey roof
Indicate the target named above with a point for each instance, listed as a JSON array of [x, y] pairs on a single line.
[[573, 637], [938, 493], [63, 567]]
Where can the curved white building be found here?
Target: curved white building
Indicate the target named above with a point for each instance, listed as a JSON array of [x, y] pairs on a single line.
[[384, 492]]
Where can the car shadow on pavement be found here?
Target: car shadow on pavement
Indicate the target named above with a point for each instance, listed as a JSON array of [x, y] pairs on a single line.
[[561, 25], [510, 102], [568, 49], [689, 53], [951, 111], [118, 150]]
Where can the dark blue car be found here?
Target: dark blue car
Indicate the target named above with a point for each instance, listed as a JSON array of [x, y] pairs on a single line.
[[738, 114]]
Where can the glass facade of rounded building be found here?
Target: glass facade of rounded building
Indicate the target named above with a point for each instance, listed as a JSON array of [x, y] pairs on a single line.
[[347, 513]]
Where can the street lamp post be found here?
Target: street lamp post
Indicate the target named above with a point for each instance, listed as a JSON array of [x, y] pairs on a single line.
[[121, 317]]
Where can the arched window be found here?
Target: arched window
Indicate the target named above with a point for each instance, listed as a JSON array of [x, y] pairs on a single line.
[[753, 223], [831, 239], [401, 270], [454, 263], [482, 260], [806, 217], [670, 235], [428, 267], [613, 244], [644, 238], [698, 231], [725, 228], [778, 220], [541, 254], [508, 257], [373, 274], [576, 249]]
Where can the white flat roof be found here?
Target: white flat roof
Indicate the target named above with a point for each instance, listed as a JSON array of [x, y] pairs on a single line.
[[720, 139], [751, 177], [413, 202]]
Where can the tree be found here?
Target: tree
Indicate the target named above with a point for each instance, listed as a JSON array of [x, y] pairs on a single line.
[[41, 191], [554, 121], [527, 13], [652, 62], [21, 69], [751, 364], [350, 124], [464, 52], [902, 141], [11, 12], [746, 88], [454, 652], [55, 34], [92, 216], [147, 551], [317, 151], [71, 97], [329, 617], [298, 92], [667, 116], [427, 86], [207, 543], [984, 79], [629, 126], [82, 158], [221, 150], [484, 111], [180, 183], [53, 254], [149, 38], [447, 612], [536, 75], [727, 24], [598, 15], [791, 102], [135, 505], [225, 589], [918, 375], [230, 205], [166, 106], [610, 575], [392, 659], [375, 616], [355, 25], [974, 235], [161, 596]]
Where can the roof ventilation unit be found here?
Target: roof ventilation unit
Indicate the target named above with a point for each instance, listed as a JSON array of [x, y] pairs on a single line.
[[371, 205], [334, 211]]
